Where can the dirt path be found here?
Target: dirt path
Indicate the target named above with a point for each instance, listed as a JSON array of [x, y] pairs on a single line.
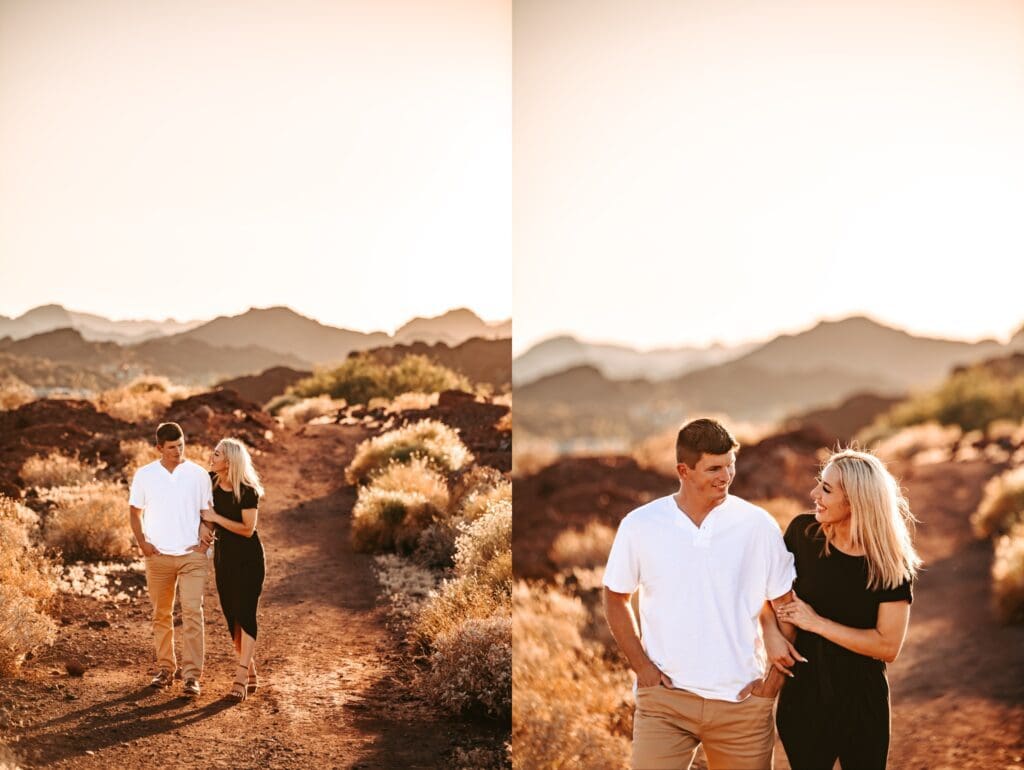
[[335, 692]]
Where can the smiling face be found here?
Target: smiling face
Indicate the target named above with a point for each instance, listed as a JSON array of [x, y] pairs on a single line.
[[172, 452], [831, 505], [709, 480], [219, 460]]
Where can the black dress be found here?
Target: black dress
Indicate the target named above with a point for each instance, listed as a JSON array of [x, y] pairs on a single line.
[[837, 704], [238, 561]]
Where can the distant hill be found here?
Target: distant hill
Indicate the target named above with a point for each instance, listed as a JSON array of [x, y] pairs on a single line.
[[260, 388], [451, 328], [482, 361], [617, 362], [282, 330], [183, 359], [95, 328]]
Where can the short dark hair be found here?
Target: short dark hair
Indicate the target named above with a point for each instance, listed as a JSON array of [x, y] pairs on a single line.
[[703, 436], [168, 431]]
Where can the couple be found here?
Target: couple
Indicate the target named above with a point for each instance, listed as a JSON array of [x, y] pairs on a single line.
[[177, 510], [711, 567]]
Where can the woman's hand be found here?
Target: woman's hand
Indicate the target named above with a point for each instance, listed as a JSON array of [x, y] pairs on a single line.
[[800, 614], [208, 514]]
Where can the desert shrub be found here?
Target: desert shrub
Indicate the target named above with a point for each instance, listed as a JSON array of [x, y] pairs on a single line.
[[417, 475], [477, 502], [454, 602], [483, 540], [476, 759], [471, 667], [587, 548], [302, 411], [430, 439], [435, 546], [14, 392], [571, 708], [27, 587], [479, 478], [387, 520], [144, 398], [90, 522], [1002, 504], [277, 403], [136, 453], [970, 398], [362, 377], [56, 470], [1008, 575]]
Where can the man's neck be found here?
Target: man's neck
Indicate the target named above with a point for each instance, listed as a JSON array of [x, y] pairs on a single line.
[[695, 509], [171, 466]]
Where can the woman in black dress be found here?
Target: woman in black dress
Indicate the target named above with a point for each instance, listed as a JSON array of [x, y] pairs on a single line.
[[855, 564], [238, 553]]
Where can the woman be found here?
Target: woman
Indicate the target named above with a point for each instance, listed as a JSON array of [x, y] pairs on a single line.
[[855, 564], [238, 553]]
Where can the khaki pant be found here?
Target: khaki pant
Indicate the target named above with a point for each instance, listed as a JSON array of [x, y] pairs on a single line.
[[669, 724], [165, 574]]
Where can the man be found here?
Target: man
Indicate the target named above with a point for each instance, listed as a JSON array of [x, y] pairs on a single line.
[[165, 500], [705, 562]]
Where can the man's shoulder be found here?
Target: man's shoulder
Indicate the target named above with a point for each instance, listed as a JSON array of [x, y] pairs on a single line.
[[750, 513], [146, 470], [195, 469], [650, 512]]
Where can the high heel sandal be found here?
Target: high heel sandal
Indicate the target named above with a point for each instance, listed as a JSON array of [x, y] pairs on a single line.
[[252, 683], [239, 688]]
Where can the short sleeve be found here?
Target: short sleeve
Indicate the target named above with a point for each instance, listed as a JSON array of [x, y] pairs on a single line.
[[904, 592], [207, 486], [137, 494], [781, 569], [622, 573], [793, 533], [249, 498]]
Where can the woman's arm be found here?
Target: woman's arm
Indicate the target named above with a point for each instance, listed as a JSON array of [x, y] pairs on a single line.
[[883, 642], [245, 527]]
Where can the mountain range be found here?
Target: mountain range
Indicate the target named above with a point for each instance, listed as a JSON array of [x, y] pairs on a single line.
[[202, 352], [788, 374]]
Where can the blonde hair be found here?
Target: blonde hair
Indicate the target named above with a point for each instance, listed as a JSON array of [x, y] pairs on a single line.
[[880, 518], [240, 467]]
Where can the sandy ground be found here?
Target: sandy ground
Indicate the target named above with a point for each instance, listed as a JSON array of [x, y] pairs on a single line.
[[336, 689]]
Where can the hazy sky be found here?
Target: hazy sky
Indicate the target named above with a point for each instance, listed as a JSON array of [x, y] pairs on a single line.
[[695, 171], [349, 158]]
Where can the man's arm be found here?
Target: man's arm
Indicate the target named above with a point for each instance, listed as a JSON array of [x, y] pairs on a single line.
[[626, 631], [135, 516]]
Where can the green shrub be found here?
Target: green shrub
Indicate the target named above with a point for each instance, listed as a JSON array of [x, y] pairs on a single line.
[[429, 439], [362, 377], [390, 520]]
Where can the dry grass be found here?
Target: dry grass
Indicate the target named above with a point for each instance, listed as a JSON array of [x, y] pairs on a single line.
[[431, 439], [471, 667], [56, 470], [915, 439], [481, 499], [1008, 575], [404, 402], [484, 541], [136, 453], [27, 586], [452, 604], [307, 409], [782, 509], [144, 398], [90, 522], [14, 393], [571, 707], [587, 548], [1002, 504]]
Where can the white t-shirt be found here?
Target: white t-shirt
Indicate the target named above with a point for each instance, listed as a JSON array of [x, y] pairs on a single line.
[[701, 589], [170, 504]]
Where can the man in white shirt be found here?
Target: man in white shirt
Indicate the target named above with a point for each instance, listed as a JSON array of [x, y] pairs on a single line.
[[165, 500], [704, 562]]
